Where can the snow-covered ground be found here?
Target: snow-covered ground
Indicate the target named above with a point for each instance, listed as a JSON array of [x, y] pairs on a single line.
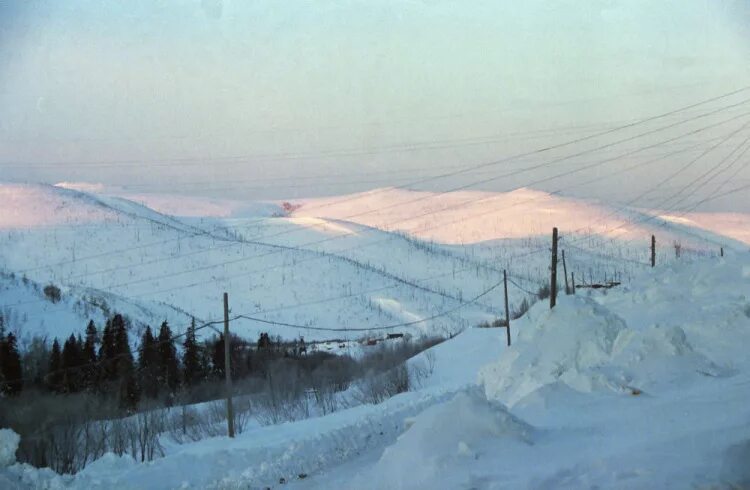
[[311, 268], [644, 386]]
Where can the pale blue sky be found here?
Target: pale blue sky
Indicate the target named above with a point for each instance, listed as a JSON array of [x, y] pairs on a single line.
[[234, 93]]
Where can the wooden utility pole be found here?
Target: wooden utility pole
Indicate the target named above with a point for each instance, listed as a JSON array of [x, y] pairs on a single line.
[[228, 369], [722, 251], [653, 251], [565, 271], [507, 312], [553, 271], [572, 282]]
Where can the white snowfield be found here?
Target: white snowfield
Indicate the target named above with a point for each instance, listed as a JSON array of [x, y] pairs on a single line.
[[646, 386], [313, 268], [466, 217]]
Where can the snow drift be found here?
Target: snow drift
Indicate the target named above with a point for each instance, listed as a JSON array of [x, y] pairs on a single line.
[[451, 434]]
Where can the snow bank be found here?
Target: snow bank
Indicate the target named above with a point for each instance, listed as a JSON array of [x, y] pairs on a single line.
[[8, 445], [445, 436], [566, 344], [587, 347]]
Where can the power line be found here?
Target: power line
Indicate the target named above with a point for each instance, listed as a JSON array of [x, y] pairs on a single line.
[[199, 161], [299, 248], [253, 240], [536, 152], [659, 184]]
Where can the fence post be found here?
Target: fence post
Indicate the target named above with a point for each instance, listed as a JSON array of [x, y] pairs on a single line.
[[553, 271], [653, 251], [507, 312], [228, 369]]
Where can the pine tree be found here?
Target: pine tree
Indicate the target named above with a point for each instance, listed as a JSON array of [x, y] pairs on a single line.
[[107, 353], [129, 393], [10, 365], [54, 372], [2, 352], [217, 357], [148, 365], [88, 356], [169, 365], [71, 362], [191, 364]]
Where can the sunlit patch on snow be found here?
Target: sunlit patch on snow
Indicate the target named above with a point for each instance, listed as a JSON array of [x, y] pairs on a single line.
[[324, 225]]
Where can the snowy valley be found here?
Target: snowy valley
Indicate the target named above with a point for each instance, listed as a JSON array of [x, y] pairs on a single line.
[[618, 387]]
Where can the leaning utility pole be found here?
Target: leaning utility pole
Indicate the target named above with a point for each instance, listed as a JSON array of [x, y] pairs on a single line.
[[507, 312], [653, 251], [565, 271], [228, 369], [553, 271]]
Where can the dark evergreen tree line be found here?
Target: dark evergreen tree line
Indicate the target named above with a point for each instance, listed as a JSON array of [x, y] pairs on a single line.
[[101, 362]]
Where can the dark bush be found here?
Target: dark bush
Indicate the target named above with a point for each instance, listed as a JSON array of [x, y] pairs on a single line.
[[52, 293]]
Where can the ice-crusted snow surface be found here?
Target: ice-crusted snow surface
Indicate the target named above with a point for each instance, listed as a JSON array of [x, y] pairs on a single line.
[[646, 386]]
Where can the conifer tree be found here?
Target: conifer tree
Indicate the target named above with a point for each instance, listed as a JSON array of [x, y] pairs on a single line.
[[54, 372], [10, 365], [88, 356], [169, 365], [2, 351], [191, 364], [129, 393], [217, 357], [71, 362], [107, 352], [148, 365]]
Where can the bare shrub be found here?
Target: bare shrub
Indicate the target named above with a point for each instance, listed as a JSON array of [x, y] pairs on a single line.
[[375, 388], [144, 430], [543, 292], [431, 359], [59, 432], [52, 293], [284, 398], [521, 309]]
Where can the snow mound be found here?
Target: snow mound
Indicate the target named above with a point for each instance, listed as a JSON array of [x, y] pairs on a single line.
[[108, 463], [588, 348], [8, 445], [454, 433], [35, 205], [566, 344]]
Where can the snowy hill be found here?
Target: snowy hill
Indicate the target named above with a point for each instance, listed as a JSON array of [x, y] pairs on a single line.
[[643, 387], [469, 217], [314, 268], [157, 260]]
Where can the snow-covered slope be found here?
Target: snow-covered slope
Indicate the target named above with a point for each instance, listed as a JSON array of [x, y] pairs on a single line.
[[341, 276], [645, 386], [27, 311], [293, 274], [466, 217], [182, 205]]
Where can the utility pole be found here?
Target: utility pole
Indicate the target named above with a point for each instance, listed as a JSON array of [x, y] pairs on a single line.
[[572, 282], [722, 251], [228, 369], [553, 271], [565, 271], [507, 312], [653, 251]]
